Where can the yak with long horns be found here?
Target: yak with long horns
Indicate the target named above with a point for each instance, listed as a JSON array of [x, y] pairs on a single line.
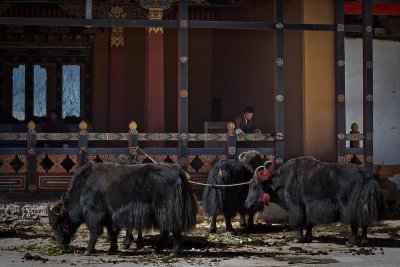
[[315, 192], [229, 201], [118, 196]]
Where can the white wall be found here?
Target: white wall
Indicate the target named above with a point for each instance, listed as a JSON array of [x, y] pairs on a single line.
[[386, 57]]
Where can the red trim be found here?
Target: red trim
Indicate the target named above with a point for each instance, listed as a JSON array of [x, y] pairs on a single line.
[[377, 8]]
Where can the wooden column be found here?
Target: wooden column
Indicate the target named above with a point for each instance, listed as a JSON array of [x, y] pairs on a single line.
[[340, 81], [117, 81], [154, 94], [117, 78], [279, 84], [183, 81], [368, 84]]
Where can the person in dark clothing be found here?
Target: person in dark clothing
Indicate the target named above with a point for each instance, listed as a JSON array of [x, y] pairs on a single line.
[[246, 122]]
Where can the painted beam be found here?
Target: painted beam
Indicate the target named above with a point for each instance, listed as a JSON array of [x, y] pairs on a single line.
[[183, 81], [340, 82], [368, 83], [279, 84]]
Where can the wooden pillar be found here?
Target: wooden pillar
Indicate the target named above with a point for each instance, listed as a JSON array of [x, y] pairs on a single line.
[[340, 82], [117, 81], [279, 84], [368, 84], [154, 94], [183, 81], [319, 106], [117, 78]]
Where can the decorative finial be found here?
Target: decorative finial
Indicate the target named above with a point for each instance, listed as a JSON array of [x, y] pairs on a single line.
[[83, 125], [31, 125], [230, 127], [133, 126]]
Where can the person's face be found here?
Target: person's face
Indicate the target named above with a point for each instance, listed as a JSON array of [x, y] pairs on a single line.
[[248, 115], [53, 116]]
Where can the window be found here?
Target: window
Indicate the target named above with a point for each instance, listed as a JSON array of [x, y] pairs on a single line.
[[18, 92], [71, 88], [39, 91]]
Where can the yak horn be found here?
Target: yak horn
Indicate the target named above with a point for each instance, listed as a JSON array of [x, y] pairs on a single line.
[[267, 162], [51, 212], [62, 198], [241, 155], [258, 168]]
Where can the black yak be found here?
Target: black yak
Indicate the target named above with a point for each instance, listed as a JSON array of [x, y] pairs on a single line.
[[315, 192], [230, 200], [121, 196]]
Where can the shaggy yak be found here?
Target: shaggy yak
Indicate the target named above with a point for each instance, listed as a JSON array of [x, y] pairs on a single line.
[[230, 200], [117, 196], [315, 192]]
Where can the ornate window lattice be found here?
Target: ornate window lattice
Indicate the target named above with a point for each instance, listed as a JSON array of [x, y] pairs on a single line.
[[39, 91], [71, 89], [18, 92]]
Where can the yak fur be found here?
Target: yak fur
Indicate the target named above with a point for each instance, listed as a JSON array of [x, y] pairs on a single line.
[[229, 201], [315, 192], [118, 196]]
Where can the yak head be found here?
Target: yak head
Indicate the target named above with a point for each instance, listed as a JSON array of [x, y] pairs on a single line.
[[259, 188], [251, 157], [61, 223]]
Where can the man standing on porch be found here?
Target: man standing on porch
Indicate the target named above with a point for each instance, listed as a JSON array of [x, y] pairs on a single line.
[[246, 122]]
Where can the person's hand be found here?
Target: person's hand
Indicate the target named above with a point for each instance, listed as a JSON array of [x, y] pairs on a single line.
[[241, 135], [257, 134]]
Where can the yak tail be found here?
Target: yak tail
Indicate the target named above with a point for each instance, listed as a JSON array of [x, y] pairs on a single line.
[[213, 197], [189, 205], [371, 204]]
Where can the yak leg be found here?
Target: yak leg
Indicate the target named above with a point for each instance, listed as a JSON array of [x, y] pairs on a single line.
[[161, 241], [177, 243], [364, 239], [213, 225], [94, 234], [309, 235], [242, 221], [228, 223], [113, 240], [128, 238], [299, 234], [250, 220], [353, 240], [139, 240]]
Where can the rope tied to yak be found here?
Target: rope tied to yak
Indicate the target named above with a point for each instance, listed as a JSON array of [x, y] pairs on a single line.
[[201, 184]]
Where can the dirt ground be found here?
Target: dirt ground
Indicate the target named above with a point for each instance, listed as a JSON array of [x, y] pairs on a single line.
[[267, 245]]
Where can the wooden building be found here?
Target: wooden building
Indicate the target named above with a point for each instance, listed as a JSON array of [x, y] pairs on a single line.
[[170, 66]]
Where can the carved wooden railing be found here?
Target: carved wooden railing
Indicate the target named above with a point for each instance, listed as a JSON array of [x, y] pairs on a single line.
[[35, 167]]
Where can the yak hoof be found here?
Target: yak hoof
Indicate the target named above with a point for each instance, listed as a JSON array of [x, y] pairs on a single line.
[[88, 253], [298, 240], [158, 250], [352, 242], [126, 246], [176, 253], [112, 251], [308, 239], [230, 229], [364, 242]]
